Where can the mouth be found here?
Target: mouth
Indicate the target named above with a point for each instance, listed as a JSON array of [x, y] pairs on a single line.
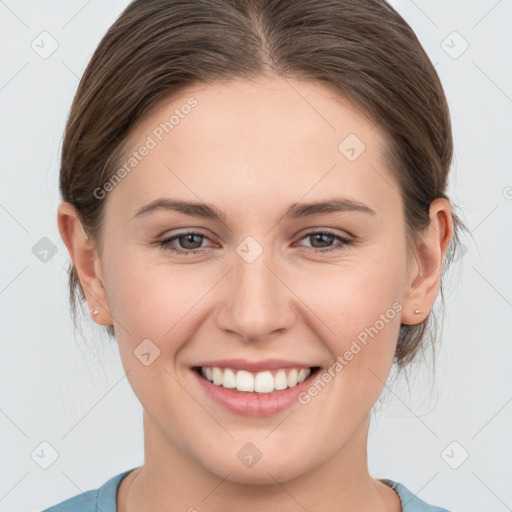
[[267, 382]]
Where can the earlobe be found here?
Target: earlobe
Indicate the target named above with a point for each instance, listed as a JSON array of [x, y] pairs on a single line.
[[83, 253], [425, 279]]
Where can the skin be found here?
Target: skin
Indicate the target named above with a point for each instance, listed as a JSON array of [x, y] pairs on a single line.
[[252, 149]]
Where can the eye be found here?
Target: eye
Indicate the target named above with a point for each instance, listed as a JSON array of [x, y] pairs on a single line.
[[326, 237], [189, 241]]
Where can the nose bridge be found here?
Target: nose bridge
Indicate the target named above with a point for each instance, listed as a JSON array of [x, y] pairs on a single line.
[[257, 303]]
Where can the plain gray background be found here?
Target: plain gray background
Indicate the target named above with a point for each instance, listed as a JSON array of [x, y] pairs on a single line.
[[73, 394]]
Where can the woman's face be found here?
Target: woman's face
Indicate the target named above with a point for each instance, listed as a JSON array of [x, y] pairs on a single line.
[[264, 283]]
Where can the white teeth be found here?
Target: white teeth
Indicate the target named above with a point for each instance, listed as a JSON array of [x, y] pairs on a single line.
[[303, 373], [217, 376], [244, 381], [229, 379], [280, 380], [291, 380], [262, 382]]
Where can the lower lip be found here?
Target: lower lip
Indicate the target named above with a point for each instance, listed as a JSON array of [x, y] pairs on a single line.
[[254, 404]]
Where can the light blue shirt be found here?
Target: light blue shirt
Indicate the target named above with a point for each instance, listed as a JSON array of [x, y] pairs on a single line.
[[104, 498]]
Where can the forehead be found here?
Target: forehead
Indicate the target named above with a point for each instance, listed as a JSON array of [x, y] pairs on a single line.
[[251, 112], [252, 140]]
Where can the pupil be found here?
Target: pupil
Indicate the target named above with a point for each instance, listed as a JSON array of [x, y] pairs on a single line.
[[189, 238], [320, 235]]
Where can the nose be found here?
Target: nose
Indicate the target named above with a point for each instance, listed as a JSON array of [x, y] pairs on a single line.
[[256, 299]]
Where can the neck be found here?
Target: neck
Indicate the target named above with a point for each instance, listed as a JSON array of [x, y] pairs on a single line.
[[172, 479]]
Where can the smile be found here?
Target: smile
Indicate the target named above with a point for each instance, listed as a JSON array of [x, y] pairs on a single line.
[[262, 382], [248, 393]]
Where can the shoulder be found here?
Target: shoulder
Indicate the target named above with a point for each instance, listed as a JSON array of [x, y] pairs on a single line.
[[85, 502], [102, 499], [411, 502]]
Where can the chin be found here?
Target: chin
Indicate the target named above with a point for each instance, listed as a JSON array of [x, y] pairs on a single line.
[[263, 472]]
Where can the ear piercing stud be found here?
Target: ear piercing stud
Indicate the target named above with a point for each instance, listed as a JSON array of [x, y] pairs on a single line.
[[94, 311], [417, 311]]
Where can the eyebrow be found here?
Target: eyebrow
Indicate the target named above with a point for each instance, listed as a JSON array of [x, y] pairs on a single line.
[[295, 211]]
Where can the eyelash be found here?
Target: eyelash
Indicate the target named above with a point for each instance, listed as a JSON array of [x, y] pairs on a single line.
[[165, 244]]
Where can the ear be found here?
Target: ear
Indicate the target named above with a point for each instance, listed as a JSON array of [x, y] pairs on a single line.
[[86, 260], [425, 272]]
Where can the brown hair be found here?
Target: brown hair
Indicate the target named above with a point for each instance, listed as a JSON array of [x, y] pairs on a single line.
[[362, 48]]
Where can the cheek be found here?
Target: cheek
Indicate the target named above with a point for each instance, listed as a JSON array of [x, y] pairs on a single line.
[[155, 299], [352, 296], [358, 308]]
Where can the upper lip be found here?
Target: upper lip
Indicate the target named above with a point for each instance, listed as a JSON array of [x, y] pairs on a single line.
[[254, 366]]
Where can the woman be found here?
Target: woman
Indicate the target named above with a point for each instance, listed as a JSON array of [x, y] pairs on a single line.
[[254, 201]]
